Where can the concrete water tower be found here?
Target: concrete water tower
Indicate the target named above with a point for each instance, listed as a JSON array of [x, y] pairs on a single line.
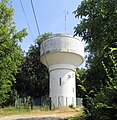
[[62, 54]]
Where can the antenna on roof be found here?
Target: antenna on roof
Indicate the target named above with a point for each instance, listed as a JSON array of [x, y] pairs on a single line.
[[66, 13]]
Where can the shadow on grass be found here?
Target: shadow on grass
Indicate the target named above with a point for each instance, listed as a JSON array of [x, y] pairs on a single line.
[[55, 118], [43, 118]]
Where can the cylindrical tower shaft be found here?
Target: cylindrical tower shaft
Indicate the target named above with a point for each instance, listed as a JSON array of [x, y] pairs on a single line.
[[62, 85]]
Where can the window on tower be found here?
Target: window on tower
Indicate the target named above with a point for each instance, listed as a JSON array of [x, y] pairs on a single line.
[[60, 81]]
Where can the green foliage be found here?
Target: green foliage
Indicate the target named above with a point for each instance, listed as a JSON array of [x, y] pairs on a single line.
[[33, 78], [98, 24], [98, 29], [43, 37], [80, 76], [71, 106], [10, 52]]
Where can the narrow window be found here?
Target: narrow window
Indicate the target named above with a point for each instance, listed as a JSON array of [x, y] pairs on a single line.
[[60, 81]]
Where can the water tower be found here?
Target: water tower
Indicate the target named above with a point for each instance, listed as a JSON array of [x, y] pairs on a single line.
[[62, 54]]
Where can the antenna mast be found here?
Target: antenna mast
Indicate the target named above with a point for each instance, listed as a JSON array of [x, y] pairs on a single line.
[[66, 13]]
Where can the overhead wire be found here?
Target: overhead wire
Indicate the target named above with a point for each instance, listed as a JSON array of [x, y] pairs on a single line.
[[35, 17], [39, 31], [26, 19]]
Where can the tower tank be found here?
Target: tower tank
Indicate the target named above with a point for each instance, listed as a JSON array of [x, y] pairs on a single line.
[[62, 54]]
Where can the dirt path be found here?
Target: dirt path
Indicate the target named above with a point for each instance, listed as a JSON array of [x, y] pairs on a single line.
[[58, 116]]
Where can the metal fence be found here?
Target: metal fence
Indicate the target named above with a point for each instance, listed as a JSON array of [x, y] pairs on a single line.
[[79, 101], [61, 101], [29, 102], [43, 102]]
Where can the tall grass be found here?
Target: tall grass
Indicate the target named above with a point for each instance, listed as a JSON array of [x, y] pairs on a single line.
[[13, 111]]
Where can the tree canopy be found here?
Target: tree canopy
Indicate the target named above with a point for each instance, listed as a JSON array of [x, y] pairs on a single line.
[[33, 79], [10, 51], [98, 28]]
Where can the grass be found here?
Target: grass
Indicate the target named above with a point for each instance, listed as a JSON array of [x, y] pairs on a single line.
[[38, 111], [13, 111]]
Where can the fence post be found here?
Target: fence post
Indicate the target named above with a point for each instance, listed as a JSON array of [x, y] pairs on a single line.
[[50, 106], [31, 102]]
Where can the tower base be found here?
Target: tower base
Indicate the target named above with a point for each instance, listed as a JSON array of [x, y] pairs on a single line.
[[62, 85]]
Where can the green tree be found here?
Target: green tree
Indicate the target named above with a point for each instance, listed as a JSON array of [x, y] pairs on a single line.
[[33, 78], [98, 29], [10, 52], [80, 76]]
